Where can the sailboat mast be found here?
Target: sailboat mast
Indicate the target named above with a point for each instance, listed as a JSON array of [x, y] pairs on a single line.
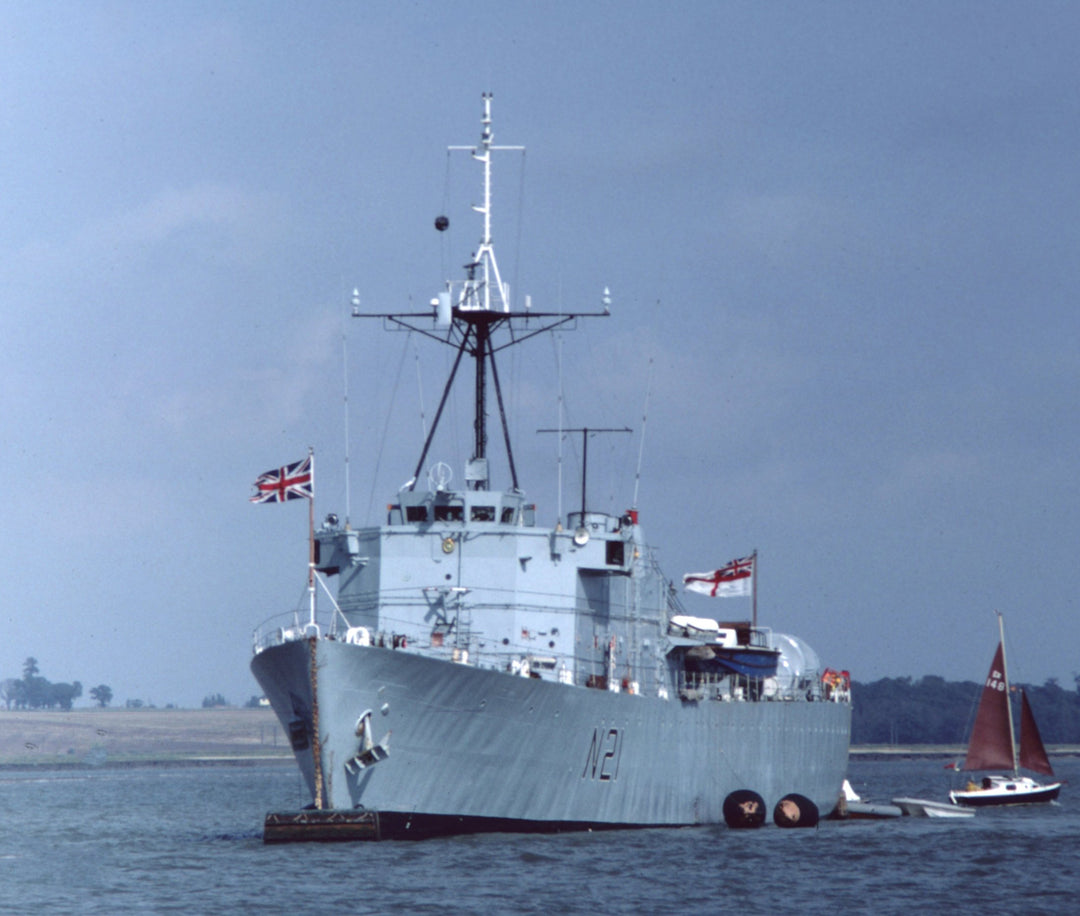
[[1008, 698]]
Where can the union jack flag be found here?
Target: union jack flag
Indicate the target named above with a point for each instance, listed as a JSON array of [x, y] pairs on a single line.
[[731, 581], [293, 481]]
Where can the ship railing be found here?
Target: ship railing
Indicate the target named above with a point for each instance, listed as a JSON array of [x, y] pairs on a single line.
[[697, 686], [728, 688], [292, 625], [280, 629], [397, 629], [806, 685], [732, 688], [514, 660], [398, 617]]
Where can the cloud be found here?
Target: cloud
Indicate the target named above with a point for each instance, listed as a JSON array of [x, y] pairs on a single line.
[[924, 475], [222, 221], [290, 378], [174, 210]]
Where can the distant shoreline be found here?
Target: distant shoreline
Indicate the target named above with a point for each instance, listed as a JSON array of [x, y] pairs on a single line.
[[945, 751]]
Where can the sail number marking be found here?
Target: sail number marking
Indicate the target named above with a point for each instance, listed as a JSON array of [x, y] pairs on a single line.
[[602, 760]]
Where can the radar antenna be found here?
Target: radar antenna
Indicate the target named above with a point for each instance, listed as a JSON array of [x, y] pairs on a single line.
[[585, 432]]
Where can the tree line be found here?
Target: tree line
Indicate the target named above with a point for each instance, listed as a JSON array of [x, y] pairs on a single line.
[[931, 710], [32, 691]]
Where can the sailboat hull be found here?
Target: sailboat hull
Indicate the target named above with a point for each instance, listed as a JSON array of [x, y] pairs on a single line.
[[468, 749], [1003, 790]]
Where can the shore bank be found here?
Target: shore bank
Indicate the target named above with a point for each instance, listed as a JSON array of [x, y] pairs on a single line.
[[945, 751], [98, 736]]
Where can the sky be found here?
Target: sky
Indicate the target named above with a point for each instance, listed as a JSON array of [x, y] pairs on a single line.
[[842, 248]]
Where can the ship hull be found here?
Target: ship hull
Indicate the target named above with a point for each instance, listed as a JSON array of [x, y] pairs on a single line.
[[470, 749]]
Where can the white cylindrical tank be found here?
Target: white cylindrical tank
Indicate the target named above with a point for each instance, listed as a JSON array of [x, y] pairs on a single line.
[[799, 664]]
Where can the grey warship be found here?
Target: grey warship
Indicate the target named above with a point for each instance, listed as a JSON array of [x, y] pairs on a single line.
[[475, 670]]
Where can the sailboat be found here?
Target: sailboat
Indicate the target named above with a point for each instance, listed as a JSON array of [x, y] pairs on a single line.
[[992, 746]]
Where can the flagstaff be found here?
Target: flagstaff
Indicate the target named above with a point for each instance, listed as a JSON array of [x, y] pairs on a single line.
[[288, 482], [753, 586]]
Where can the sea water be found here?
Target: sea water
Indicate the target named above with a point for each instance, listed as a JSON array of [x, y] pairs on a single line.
[[189, 840]]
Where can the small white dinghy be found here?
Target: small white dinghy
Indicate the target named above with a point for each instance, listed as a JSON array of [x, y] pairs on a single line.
[[852, 807], [924, 807]]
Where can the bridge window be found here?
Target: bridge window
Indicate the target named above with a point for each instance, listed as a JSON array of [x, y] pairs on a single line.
[[416, 513], [483, 514]]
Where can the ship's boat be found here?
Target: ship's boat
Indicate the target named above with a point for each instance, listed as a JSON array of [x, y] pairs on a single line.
[[477, 670], [706, 646]]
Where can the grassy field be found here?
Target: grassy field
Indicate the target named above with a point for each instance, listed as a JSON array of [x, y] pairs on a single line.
[[97, 736]]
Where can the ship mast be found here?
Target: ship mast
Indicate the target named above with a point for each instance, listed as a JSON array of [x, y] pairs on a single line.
[[477, 292], [470, 321]]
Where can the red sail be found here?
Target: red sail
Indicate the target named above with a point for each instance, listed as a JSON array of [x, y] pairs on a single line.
[[991, 745], [1032, 753]]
